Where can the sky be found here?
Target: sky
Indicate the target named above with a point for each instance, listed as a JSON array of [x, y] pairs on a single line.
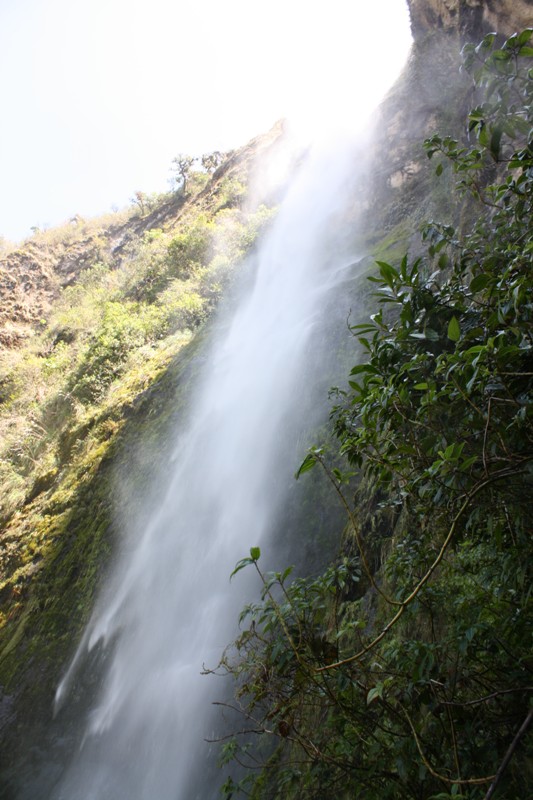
[[98, 96]]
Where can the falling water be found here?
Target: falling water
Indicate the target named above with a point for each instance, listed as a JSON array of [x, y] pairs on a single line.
[[170, 607]]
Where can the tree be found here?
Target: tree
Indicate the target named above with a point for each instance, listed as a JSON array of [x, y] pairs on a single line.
[[140, 199], [181, 166], [404, 671], [211, 161]]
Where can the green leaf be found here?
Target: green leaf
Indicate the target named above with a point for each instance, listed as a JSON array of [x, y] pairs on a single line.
[[359, 368], [502, 55], [388, 272], [307, 464], [244, 562], [479, 282], [286, 574], [454, 330], [524, 37], [439, 169], [443, 261], [494, 145], [477, 348], [374, 693], [483, 136]]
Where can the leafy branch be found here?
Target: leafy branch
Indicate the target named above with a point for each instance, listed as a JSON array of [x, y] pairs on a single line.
[[388, 686]]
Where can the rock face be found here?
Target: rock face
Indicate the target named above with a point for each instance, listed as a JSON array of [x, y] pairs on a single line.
[[470, 18], [32, 277], [431, 96]]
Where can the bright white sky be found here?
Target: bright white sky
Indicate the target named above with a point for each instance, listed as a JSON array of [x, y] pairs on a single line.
[[98, 96]]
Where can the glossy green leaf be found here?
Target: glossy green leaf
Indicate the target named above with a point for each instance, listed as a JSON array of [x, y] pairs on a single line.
[[480, 282], [454, 330], [374, 694], [307, 464]]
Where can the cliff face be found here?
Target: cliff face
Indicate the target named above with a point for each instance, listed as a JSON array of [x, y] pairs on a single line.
[[470, 17], [64, 295], [35, 605], [432, 95]]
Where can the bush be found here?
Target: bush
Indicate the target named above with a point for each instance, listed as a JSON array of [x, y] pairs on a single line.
[[405, 670], [190, 249], [124, 327]]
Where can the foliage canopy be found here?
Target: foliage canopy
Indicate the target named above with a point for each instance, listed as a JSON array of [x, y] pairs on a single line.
[[404, 671]]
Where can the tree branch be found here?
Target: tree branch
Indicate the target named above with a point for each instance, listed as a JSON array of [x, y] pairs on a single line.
[[509, 754]]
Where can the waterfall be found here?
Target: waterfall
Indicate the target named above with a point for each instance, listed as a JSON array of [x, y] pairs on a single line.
[[170, 606]]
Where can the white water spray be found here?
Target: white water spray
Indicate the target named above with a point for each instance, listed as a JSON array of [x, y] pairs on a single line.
[[171, 607]]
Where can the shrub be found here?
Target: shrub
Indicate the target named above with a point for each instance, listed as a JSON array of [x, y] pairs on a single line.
[[404, 671], [124, 327], [189, 249]]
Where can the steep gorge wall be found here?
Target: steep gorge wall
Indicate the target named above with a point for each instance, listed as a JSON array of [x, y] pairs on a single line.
[[470, 17], [57, 530], [431, 96], [403, 190]]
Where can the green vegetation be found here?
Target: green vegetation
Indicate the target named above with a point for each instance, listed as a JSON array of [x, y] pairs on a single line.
[[183, 172], [404, 670], [182, 166], [102, 368]]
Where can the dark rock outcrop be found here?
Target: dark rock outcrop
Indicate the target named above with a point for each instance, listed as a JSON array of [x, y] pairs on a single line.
[[470, 18]]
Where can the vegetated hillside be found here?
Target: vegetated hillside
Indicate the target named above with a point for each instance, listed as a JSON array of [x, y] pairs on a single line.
[[33, 275], [101, 322], [404, 670]]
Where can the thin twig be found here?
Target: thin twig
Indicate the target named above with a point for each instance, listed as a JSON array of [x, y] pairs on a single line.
[[244, 732], [509, 754], [485, 435], [486, 698], [454, 741], [461, 781]]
